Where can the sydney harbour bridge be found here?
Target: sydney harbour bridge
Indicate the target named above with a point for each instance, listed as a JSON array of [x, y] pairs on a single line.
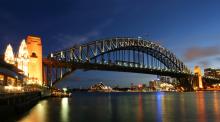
[[119, 54]]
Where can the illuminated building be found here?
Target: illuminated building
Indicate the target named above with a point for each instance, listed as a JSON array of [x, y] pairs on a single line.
[[29, 59], [210, 72], [10, 75], [100, 87], [197, 71], [166, 79], [9, 55], [152, 84], [23, 58], [35, 53]]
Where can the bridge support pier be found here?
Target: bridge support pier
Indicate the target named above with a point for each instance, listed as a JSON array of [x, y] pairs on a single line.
[[198, 74], [186, 83]]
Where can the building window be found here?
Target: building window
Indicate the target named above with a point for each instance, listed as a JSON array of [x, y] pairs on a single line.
[[10, 81], [19, 83], [34, 55], [1, 79]]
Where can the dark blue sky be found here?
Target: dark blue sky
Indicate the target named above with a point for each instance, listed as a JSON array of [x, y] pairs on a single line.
[[189, 28]]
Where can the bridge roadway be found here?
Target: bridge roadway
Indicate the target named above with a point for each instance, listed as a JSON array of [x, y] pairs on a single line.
[[114, 67], [121, 68], [111, 67]]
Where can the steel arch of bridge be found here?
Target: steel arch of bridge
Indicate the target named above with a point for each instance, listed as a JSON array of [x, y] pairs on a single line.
[[89, 52], [119, 54]]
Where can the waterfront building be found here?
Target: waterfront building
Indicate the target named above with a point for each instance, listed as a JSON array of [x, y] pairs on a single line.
[[28, 59], [166, 87], [10, 77], [211, 72], [157, 85], [100, 87], [153, 84]]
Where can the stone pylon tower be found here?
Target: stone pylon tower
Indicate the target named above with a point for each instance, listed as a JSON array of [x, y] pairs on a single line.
[[34, 46], [197, 71]]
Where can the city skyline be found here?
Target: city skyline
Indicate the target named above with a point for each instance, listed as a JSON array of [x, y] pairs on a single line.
[[188, 28]]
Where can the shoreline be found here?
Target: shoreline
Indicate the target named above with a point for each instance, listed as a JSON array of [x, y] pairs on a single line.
[[18, 106]]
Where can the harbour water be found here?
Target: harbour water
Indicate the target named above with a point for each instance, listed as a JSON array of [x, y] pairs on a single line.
[[127, 107]]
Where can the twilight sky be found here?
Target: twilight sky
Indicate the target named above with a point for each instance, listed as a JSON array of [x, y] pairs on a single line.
[[189, 28]]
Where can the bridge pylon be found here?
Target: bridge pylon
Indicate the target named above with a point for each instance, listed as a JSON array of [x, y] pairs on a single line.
[[198, 81]]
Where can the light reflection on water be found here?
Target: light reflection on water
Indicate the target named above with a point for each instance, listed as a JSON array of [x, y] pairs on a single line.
[[65, 110], [138, 107], [38, 113], [200, 102], [216, 106], [159, 96]]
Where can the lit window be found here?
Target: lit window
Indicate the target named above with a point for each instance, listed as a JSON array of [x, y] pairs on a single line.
[[1, 79], [10, 81]]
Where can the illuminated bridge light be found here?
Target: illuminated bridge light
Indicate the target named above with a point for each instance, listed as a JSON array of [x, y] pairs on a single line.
[[51, 55]]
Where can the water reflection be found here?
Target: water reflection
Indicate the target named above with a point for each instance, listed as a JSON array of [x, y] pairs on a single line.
[[65, 110], [200, 102], [38, 113], [216, 106], [118, 107], [159, 106], [140, 112], [182, 106]]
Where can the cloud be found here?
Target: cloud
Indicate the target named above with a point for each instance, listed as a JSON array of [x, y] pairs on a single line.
[[217, 58], [204, 63], [194, 53], [70, 40], [73, 39]]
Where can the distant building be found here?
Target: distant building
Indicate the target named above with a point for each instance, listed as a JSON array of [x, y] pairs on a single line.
[[100, 87], [211, 72], [165, 79], [160, 86], [153, 84]]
